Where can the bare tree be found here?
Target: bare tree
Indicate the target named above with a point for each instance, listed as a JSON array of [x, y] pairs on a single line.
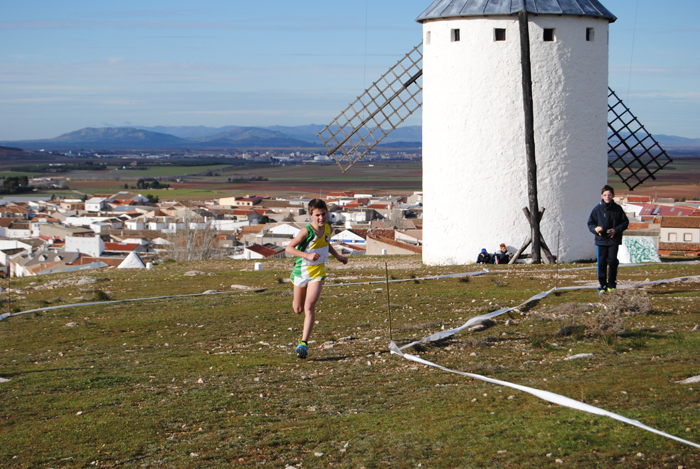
[[193, 239], [395, 217]]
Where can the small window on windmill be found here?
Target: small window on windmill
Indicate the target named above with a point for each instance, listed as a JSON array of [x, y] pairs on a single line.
[[672, 236], [590, 34], [427, 38], [499, 34], [455, 35], [548, 35]]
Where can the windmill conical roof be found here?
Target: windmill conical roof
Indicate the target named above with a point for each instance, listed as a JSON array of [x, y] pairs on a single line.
[[466, 8]]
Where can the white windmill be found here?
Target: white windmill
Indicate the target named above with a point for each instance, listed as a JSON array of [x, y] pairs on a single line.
[[516, 110]]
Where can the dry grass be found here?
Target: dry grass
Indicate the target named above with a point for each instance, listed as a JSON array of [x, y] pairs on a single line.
[[628, 302], [604, 323], [150, 383]]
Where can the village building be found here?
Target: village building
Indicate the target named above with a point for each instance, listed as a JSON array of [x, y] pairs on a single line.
[[267, 251], [350, 237], [680, 229], [382, 242], [246, 201]]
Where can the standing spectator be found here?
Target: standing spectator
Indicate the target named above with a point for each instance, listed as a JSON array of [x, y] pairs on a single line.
[[607, 222]]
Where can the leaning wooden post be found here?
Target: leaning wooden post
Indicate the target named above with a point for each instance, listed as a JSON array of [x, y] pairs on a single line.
[[529, 135]]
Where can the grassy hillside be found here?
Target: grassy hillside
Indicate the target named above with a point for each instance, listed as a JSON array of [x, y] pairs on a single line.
[[212, 380]]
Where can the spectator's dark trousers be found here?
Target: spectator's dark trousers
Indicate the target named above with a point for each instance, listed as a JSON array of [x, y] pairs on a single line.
[[607, 256]]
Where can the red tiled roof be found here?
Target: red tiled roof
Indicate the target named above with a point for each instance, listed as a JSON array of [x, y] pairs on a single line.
[[359, 232], [16, 210], [262, 250], [252, 229], [382, 233], [416, 234], [680, 222], [633, 226], [341, 194], [679, 246], [119, 247], [110, 261], [350, 246], [391, 242], [632, 199], [666, 210]]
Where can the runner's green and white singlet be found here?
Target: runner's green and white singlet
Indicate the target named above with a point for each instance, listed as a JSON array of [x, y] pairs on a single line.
[[306, 270]]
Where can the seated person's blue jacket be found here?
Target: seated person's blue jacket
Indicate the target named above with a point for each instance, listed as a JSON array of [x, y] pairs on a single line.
[[608, 216]]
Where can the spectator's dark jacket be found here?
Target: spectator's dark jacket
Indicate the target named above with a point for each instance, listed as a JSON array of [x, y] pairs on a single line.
[[484, 259], [502, 257], [608, 216]]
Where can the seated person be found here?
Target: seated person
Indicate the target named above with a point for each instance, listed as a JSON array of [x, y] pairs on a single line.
[[484, 258], [502, 256]]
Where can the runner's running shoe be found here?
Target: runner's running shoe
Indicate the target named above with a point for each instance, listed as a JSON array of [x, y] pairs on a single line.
[[302, 349]]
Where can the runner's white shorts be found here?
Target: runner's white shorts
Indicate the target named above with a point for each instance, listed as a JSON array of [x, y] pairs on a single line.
[[304, 282]]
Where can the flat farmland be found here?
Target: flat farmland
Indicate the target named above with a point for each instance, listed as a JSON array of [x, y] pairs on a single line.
[[680, 179], [164, 171], [388, 178]]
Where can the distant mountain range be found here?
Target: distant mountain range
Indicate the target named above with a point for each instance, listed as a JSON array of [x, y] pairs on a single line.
[[198, 138], [240, 138]]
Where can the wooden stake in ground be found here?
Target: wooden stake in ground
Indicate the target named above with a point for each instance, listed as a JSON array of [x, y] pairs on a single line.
[[9, 290], [388, 300], [556, 282]]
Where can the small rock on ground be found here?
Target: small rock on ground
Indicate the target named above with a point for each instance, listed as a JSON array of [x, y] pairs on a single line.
[[694, 379], [580, 355], [3, 380], [194, 273]]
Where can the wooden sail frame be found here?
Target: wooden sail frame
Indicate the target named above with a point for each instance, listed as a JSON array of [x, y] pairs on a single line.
[[377, 112], [633, 154]]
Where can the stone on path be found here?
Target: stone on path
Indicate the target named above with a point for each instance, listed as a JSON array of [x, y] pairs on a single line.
[[580, 355], [3, 380], [694, 379]]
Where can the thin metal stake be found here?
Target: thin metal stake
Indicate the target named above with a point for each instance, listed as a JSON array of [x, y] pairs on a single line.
[[388, 300], [9, 289], [556, 282]]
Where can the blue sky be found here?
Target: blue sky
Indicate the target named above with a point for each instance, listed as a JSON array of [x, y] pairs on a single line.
[[74, 63]]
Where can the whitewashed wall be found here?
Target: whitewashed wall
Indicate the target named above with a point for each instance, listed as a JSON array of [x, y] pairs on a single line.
[[474, 161], [91, 246]]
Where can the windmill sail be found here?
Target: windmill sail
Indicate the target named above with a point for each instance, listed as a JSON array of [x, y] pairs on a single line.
[[378, 111], [633, 154]]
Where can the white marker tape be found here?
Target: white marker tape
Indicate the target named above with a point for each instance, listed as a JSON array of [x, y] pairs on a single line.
[[544, 395], [477, 319]]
